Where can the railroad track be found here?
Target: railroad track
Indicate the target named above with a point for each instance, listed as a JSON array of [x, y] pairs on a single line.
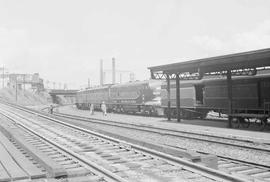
[[237, 142], [126, 161], [250, 170], [58, 162]]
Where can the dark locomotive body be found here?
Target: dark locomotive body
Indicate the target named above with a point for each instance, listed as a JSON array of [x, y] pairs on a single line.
[[135, 97], [92, 96]]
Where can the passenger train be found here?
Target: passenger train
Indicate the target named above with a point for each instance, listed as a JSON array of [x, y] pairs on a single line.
[[198, 97]]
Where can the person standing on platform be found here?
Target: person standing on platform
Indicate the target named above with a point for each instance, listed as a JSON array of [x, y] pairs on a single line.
[[51, 109], [104, 109], [92, 109]]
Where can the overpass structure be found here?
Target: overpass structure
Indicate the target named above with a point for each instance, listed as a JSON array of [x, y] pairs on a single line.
[[245, 63], [60, 96]]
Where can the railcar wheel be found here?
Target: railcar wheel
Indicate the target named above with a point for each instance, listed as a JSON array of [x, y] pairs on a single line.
[[244, 122], [235, 123], [118, 110], [203, 115], [263, 123]]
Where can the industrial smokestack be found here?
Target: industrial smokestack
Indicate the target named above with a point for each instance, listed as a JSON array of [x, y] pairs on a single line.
[[101, 72], [113, 70]]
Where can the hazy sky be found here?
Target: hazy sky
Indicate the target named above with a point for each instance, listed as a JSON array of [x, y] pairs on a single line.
[[64, 40]]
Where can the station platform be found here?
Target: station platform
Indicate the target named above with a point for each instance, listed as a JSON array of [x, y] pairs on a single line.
[[209, 127]]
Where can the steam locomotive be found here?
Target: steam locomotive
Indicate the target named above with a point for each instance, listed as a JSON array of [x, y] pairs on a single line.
[[250, 94]]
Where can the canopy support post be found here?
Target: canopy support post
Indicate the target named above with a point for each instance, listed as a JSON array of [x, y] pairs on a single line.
[[229, 87], [168, 97], [178, 98]]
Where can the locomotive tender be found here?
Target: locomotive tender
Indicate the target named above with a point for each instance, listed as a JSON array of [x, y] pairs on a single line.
[[197, 97]]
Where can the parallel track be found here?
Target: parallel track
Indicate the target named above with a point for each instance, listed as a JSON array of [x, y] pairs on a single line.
[[244, 143], [86, 143], [73, 164], [226, 164]]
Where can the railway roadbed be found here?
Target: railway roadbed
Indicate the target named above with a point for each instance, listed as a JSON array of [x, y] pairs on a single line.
[[126, 161], [201, 126], [27, 157], [241, 156], [233, 159]]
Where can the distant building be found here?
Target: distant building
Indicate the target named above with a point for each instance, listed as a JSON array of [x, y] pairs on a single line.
[[25, 81]]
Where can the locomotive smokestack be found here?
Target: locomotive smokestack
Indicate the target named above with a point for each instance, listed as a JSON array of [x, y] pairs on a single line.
[[101, 72], [113, 70]]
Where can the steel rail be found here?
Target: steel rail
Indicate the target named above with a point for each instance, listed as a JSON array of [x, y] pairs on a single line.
[[205, 171], [109, 176], [163, 131], [123, 125], [220, 156]]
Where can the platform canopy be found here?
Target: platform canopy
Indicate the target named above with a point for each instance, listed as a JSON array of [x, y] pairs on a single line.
[[244, 61]]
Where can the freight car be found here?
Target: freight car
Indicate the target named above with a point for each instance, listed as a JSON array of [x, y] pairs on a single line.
[[250, 94], [134, 97]]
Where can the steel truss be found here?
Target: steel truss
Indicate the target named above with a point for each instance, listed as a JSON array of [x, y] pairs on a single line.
[[198, 76]]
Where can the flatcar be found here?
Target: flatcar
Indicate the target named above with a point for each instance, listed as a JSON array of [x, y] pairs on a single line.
[[134, 97]]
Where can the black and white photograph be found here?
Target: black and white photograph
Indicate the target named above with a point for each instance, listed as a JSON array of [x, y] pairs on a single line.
[[135, 91]]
